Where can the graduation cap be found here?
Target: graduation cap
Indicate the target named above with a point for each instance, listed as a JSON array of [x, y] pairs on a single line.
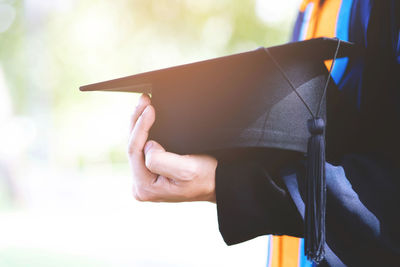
[[269, 98]]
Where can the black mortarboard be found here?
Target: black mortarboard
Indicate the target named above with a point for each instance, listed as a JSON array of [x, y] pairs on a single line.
[[270, 97]]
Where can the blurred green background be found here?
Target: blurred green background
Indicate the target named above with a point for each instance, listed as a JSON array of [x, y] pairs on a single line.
[[65, 191]]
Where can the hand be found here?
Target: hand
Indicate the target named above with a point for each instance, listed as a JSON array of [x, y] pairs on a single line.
[[161, 176]]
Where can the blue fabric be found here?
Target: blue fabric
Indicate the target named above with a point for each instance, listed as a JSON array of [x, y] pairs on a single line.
[[297, 27], [303, 262], [352, 25], [362, 211], [363, 190], [363, 184], [342, 32], [300, 26], [269, 250], [351, 81]]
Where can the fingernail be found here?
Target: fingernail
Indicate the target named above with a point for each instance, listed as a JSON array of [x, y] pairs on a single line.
[[147, 146]]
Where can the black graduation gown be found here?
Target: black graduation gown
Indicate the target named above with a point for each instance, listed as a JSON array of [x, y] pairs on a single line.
[[256, 195]]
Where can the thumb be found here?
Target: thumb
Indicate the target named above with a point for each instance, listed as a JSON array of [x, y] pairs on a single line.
[[154, 146], [168, 164]]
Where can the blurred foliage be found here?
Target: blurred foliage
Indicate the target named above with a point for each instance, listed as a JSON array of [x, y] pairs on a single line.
[[11, 56], [53, 47], [63, 53]]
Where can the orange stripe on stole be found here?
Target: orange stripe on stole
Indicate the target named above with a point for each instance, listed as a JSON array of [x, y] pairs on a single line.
[[285, 251], [304, 5], [323, 21]]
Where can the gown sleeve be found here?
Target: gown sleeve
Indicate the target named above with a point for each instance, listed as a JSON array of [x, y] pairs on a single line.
[[362, 208], [251, 203], [363, 189]]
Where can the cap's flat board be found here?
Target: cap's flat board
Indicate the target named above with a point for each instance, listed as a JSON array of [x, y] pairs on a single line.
[[314, 49], [240, 100]]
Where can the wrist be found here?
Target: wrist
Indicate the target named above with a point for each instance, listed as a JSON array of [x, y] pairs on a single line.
[[210, 194]]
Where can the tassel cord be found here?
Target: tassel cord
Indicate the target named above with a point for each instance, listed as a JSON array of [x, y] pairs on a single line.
[[315, 184], [328, 79]]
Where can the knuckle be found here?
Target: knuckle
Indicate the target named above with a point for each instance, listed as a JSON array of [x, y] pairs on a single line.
[[142, 194], [130, 150], [135, 194]]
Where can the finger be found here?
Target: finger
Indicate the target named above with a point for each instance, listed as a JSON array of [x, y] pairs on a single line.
[[170, 165], [143, 102], [140, 131]]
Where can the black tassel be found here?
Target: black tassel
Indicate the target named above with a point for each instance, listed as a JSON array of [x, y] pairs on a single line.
[[315, 192]]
